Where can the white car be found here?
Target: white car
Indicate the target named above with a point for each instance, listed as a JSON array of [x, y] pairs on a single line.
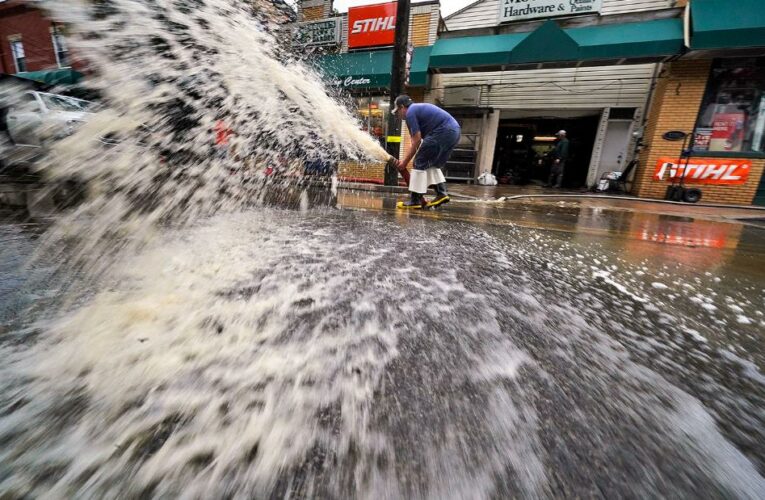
[[31, 119], [38, 116]]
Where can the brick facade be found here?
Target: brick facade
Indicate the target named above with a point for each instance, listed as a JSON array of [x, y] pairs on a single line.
[[420, 30], [352, 170], [676, 103], [18, 21], [312, 13]]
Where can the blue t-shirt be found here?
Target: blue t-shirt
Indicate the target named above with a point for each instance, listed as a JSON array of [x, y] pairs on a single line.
[[425, 118]]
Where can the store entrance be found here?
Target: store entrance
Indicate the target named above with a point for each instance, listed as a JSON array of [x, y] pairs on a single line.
[[521, 151]]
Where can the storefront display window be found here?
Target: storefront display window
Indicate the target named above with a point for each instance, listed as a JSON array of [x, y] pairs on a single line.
[[373, 114], [732, 115]]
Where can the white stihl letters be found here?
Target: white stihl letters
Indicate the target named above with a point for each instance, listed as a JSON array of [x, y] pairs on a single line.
[[374, 24], [703, 171], [729, 174]]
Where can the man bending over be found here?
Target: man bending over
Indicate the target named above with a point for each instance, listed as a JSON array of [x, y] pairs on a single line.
[[434, 133]]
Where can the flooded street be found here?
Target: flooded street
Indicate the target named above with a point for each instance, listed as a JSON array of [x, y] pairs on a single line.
[[556, 350], [177, 332]]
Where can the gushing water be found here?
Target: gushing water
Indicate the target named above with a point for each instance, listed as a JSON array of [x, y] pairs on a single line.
[[173, 76], [205, 349]]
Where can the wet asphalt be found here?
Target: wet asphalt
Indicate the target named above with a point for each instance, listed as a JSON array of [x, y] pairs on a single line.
[[527, 349]]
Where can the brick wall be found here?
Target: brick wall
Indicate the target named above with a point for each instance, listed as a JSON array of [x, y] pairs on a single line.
[[675, 106], [34, 30], [420, 30], [366, 171], [312, 13]]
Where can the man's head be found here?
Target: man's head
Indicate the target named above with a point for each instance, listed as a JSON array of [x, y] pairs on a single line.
[[402, 104], [561, 134]]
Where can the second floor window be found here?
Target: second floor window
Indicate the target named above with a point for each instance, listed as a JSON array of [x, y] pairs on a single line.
[[17, 51], [59, 45]]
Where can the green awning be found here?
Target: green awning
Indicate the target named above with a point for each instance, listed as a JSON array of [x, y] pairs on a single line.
[[418, 71], [492, 50], [371, 69], [547, 43], [659, 38], [64, 76], [727, 24], [550, 43]]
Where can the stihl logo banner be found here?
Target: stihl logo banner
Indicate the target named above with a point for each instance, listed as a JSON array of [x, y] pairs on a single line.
[[703, 171], [371, 25]]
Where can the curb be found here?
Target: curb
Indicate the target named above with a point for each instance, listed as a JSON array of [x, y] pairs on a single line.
[[629, 198], [378, 188]]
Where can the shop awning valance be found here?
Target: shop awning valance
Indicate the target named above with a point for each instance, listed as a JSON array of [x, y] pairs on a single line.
[[493, 50], [649, 39], [63, 76], [726, 24], [418, 72], [371, 69], [550, 44]]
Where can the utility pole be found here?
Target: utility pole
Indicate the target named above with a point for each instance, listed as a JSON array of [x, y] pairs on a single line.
[[397, 79]]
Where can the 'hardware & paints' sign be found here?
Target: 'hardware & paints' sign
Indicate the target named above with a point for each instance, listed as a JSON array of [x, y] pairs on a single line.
[[703, 171], [323, 32], [371, 25], [513, 10]]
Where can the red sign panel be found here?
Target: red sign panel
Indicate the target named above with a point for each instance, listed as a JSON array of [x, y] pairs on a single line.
[[703, 171], [727, 132], [371, 25]]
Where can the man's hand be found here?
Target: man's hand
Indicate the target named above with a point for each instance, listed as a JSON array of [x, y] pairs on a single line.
[[400, 165]]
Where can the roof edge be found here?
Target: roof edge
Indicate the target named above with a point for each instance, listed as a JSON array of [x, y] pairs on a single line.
[[463, 9]]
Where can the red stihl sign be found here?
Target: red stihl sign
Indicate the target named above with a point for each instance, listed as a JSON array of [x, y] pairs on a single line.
[[371, 25], [703, 171]]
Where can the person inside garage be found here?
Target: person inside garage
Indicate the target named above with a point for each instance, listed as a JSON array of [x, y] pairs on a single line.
[[559, 156]]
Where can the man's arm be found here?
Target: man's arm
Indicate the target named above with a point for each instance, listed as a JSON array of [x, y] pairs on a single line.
[[416, 140]]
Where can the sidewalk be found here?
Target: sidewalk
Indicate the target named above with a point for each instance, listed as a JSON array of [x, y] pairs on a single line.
[[533, 194]]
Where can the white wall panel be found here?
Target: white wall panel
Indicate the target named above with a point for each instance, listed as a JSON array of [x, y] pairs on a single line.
[[486, 13], [624, 6], [589, 87], [479, 15]]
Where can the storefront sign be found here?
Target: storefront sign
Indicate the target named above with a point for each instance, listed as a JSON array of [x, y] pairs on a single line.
[[701, 139], [351, 81], [371, 25], [703, 171], [514, 10], [323, 32]]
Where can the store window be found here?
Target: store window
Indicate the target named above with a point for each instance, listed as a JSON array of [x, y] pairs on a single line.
[[59, 45], [732, 115], [373, 114], [17, 51]]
